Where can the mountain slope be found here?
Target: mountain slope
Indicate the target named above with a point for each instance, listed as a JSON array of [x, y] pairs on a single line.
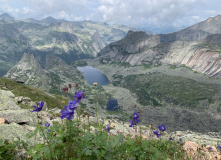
[[196, 32], [203, 56]]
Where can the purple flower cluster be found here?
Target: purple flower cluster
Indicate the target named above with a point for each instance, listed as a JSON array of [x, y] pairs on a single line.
[[162, 128], [157, 133], [47, 124], [68, 111], [136, 119], [79, 95]]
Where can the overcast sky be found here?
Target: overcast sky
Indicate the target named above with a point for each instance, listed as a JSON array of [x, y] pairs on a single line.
[[158, 13]]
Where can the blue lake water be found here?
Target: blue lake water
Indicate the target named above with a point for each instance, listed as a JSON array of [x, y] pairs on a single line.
[[93, 75], [112, 105]]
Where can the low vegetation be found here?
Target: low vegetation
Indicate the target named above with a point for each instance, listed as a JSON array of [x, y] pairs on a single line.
[[157, 89], [75, 140]]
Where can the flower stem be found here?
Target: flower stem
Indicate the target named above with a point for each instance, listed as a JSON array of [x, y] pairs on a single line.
[[96, 102], [45, 137], [67, 140]]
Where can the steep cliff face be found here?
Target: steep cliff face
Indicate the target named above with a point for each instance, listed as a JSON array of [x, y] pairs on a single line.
[[98, 43], [132, 49], [196, 57]]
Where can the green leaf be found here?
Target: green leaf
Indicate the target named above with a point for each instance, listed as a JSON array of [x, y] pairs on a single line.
[[39, 147], [88, 152], [108, 156]]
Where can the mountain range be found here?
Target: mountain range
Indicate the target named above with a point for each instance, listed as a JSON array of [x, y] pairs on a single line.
[[68, 40]]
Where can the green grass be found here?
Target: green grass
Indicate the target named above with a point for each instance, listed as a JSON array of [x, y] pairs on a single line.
[[34, 94], [158, 88]]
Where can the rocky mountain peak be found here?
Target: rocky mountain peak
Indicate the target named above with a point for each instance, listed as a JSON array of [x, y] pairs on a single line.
[[49, 19], [27, 70], [28, 61], [6, 17], [130, 33]]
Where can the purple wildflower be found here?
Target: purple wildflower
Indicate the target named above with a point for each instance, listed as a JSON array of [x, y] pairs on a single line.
[[68, 111], [170, 138], [72, 105], [47, 124], [157, 133], [79, 95], [107, 127], [162, 127], [38, 108], [210, 148], [132, 124], [219, 147], [136, 117]]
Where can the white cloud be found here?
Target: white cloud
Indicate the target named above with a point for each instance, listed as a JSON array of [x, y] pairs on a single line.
[[46, 7], [26, 10], [6, 8], [157, 13], [64, 15]]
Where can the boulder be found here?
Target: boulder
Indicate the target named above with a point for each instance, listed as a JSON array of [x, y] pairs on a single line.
[[19, 116], [26, 100], [6, 103], [14, 131], [189, 145]]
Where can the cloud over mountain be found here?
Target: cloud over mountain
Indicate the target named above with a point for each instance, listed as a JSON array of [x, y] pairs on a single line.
[[157, 13]]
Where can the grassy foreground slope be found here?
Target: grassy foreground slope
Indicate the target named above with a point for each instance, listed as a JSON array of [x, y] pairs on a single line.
[[34, 94]]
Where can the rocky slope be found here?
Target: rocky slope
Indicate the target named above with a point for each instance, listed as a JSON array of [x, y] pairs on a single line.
[[197, 47], [134, 49], [196, 32], [197, 57]]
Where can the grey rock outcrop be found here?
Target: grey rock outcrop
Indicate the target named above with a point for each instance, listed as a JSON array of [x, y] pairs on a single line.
[[201, 59], [134, 48], [19, 122], [5, 101], [29, 71], [18, 116]]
